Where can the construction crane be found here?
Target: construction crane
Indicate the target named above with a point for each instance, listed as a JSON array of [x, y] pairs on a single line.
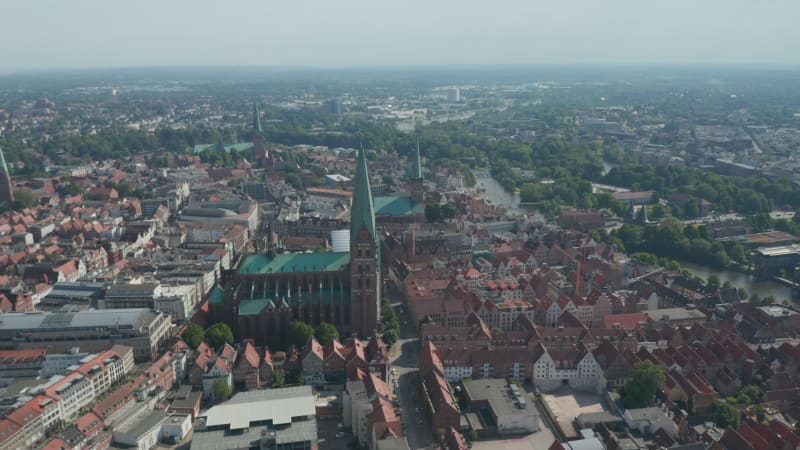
[[579, 264]]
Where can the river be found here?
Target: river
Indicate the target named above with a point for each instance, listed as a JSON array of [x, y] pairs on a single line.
[[741, 280], [499, 196]]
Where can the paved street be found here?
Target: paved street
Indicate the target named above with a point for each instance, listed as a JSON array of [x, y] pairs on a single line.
[[405, 355]]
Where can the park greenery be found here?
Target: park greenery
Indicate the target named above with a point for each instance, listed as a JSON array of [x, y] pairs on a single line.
[[674, 240], [278, 378], [564, 165], [437, 213], [221, 390], [298, 334], [640, 390], [391, 324], [193, 335], [24, 198], [726, 415], [326, 333], [218, 335]]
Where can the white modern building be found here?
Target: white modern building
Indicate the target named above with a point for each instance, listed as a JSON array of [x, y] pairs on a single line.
[[272, 418]]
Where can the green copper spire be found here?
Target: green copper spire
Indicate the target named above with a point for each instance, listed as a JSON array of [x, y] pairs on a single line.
[[256, 118], [363, 211], [3, 164], [417, 164]]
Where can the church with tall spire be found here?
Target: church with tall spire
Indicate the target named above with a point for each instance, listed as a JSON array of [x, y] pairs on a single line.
[[261, 156], [365, 276], [268, 291], [415, 180], [6, 188]]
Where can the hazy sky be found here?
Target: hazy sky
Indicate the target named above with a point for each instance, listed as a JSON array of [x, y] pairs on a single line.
[[100, 33]]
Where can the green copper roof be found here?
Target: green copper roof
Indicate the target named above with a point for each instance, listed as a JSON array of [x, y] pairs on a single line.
[[253, 307], [216, 295], [256, 119], [294, 262], [239, 146], [417, 173], [363, 212], [324, 296], [397, 205]]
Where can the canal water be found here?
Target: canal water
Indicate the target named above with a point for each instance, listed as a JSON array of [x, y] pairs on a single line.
[[741, 280], [764, 288], [499, 196]]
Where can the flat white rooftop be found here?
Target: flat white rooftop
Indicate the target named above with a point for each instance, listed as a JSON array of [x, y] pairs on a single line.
[[277, 405]]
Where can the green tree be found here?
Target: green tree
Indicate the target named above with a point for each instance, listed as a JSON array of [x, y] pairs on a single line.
[[712, 284], [326, 333], [295, 181], [391, 336], [193, 335], [433, 212], [640, 390], [278, 378], [752, 392], [726, 415], [221, 390], [737, 253], [296, 378], [743, 293], [69, 189], [448, 211], [218, 335], [24, 198], [760, 415], [298, 334], [691, 209], [657, 211]]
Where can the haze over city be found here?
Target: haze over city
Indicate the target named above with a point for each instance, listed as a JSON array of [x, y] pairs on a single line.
[[95, 33], [408, 225]]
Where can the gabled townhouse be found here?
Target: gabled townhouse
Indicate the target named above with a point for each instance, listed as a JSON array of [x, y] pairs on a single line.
[[575, 366], [248, 366], [221, 368], [266, 369], [358, 397], [313, 359], [377, 355], [617, 365], [437, 397], [334, 362], [198, 365], [386, 427]]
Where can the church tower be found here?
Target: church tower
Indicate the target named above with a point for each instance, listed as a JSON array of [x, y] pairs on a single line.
[[365, 277], [415, 182], [6, 189], [260, 157]]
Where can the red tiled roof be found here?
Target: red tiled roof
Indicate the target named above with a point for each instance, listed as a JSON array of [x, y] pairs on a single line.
[[625, 321], [249, 356], [8, 357], [7, 429], [88, 424]]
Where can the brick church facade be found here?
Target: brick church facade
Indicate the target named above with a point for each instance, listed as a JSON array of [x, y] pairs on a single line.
[[268, 291]]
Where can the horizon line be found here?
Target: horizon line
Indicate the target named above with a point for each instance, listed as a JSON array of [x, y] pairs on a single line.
[[425, 66]]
